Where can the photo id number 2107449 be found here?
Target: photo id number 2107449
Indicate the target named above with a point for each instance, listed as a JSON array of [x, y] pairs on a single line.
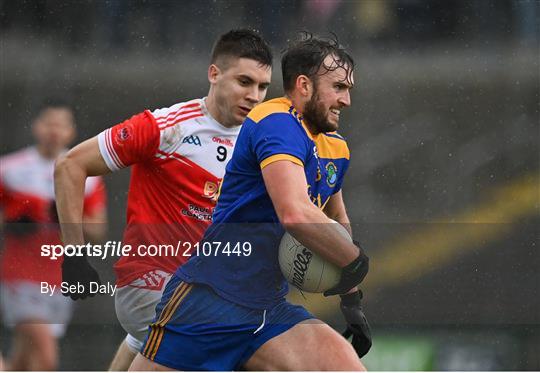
[[217, 248]]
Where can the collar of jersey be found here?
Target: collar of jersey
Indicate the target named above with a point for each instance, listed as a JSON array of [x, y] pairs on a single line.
[[297, 116]]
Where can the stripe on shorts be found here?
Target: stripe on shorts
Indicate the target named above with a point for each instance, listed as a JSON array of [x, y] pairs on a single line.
[[156, 334]]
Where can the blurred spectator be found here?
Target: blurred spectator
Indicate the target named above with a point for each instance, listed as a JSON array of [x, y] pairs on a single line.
[[29, 219]]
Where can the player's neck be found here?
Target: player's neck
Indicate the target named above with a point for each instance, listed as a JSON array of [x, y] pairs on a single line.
[[297, 102], [213, 110]]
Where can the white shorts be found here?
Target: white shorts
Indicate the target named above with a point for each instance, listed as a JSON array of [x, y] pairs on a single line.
[[136, 305], [22, 301]]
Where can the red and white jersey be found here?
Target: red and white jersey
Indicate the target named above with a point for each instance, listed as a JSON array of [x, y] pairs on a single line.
[[29, 214], [178, 156]]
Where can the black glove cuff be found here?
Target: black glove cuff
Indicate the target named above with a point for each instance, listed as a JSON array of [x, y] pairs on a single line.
[[351, 299], [351, 275], [360, 263]]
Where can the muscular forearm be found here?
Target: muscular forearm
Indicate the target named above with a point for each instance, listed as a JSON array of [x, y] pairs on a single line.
[[95, 227], [70, 175], [335, 209], [313, 229], [69, 182], [286, 184], [343, 219]]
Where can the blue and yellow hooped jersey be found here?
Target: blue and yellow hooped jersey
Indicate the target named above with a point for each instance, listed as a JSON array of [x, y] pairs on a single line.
[[244, 213]]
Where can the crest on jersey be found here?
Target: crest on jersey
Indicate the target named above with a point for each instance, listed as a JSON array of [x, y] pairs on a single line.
[[123, 134], [211, 190], [331, 174]]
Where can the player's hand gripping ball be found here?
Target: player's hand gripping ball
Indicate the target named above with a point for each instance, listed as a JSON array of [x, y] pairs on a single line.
[[305, 269]]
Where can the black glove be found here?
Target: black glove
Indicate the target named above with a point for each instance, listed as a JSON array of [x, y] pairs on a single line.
[[357, 324], [75, 270], [351, 275]]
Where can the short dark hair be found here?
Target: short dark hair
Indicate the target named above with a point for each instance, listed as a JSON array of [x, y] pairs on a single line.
[[241, 43], [306, 57]]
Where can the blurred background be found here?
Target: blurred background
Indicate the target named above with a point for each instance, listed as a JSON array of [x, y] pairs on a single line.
[[444, 184]]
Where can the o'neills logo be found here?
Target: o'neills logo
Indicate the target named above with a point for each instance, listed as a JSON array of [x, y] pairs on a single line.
[[219, 140], [123, 134], [300, 266]]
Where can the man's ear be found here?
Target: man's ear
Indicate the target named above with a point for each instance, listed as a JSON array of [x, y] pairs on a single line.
[[213, 73], [304, 86]]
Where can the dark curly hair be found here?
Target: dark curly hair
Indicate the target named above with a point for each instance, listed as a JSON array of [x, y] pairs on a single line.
[[306, 57]]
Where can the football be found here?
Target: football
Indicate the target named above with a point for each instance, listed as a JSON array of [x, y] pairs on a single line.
[[305, 269]]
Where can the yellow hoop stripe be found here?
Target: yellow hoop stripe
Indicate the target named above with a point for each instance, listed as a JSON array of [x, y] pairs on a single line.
[[281, 157], [156, 335]]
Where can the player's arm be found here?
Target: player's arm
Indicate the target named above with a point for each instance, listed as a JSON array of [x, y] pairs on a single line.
[[335, 210], [351, 303], [95, 224], [70, 173], [286, 184]]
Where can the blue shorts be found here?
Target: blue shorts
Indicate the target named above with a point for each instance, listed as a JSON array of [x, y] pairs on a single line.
[[196, 329]]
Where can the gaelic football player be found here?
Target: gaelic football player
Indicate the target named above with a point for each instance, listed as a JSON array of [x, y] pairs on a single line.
[[178, 156], [225, 310]]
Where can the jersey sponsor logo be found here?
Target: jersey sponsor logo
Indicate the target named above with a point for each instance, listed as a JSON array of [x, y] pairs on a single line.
[[198, 212], [300, 266], [331, 174], [226, 142], [193, 140]]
